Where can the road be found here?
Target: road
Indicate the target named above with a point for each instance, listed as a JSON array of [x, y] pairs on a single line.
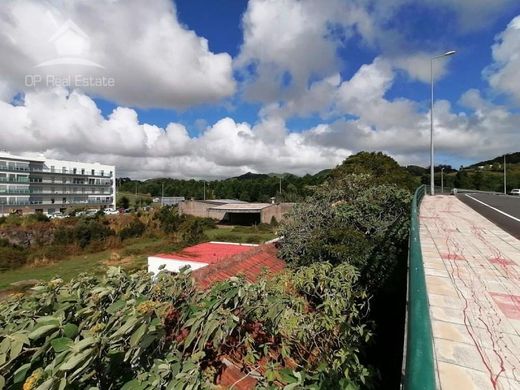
[[502, 210]]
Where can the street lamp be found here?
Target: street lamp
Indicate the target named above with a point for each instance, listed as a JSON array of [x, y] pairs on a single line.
[[432, 181], [442, 180]]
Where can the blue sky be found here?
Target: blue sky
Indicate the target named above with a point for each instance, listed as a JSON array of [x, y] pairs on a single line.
[[219, 88]]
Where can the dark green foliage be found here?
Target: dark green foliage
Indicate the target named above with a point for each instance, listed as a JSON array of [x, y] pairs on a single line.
[[169, 219], [83, 233], [135, 229], [38, 217], [123, 202], [191, 231], [2, 220], [11, 256], [248, 187], [350, 220], [383, 169], [125, 331]]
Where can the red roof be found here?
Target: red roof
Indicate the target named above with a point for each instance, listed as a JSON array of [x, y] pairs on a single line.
[[208, 252], [250, 263]]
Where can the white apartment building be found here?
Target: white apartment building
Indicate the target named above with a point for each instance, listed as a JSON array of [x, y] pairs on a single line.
[[48, 186]]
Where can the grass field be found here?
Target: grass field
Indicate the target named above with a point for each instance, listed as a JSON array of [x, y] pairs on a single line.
[[132, 256], [242, 234], [132, 197]]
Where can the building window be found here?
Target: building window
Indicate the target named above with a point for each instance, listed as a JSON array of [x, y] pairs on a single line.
[[82, 171], [93, 172], [74, 171]]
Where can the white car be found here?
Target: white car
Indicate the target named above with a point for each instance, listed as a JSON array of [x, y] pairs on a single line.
[[515, 191], [57, 216], [111, 211]]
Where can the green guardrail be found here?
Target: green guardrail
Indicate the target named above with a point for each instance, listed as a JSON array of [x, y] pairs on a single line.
[[419, 371]]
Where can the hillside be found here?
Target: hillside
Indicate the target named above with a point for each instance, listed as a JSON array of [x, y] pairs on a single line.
[[511, 158]]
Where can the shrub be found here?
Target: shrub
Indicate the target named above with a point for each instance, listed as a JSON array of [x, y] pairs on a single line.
[[38, 217], [87, 231], [135, 229], [349, 220], [302, 328], [191, 231], [11, 257], [169, 219], [124, 202]]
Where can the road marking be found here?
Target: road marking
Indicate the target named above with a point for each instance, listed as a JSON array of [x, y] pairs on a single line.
[[493, 208]]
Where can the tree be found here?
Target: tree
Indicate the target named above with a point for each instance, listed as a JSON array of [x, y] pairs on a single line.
[[383, 169], [123, 202], [349, 220]]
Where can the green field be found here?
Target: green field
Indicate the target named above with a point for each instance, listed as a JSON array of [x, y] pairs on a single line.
[[242, 234]]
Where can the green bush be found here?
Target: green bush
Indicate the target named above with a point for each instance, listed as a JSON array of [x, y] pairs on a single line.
[[191, 231], [83, 233], [37, 217], [169, 219], [351, 220], [135, 229], [11, 257], [305, 327]]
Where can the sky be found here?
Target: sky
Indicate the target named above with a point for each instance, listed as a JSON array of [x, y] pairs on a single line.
[[213, 89]]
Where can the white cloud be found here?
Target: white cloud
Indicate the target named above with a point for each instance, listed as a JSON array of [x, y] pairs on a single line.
[[289, 42], [69, 125], [154, 60], [503, 73]]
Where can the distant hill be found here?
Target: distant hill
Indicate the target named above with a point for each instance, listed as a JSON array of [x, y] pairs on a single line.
[[511, 158], [251, 175]]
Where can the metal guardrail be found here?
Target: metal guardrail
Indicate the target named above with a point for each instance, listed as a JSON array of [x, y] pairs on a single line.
[[419, 370]]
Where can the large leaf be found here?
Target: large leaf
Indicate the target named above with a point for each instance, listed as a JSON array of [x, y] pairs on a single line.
[[20, 374], [138, 335], [76, 360], [42, 331], [61, 344], [70, 330]]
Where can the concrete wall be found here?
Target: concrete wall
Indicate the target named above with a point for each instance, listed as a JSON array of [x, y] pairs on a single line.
[[198, 208], [276, 210]]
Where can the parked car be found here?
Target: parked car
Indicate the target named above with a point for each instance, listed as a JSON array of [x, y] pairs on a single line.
[[111, 211], [515, 191], [453, 191], [57, 216]]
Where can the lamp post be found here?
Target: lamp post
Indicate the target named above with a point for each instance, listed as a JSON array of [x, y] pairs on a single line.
[[505, 176], [442, 180], [432, 181]]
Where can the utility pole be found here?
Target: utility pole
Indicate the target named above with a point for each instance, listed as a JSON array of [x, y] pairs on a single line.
[[442, 180], [162, 194], [280, 186], [505, 176], [204, 189]]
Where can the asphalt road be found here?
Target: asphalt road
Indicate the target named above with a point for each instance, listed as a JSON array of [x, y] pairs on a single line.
[[502, 210]]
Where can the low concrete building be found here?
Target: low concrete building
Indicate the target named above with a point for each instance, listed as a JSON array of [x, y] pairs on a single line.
[[235, 212], [171, 200]]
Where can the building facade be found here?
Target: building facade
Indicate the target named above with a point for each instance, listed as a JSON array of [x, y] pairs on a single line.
[[43, 185]]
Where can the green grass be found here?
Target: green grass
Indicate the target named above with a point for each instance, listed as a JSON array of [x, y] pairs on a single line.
[[132, 197], [134, 252], [242, 234]]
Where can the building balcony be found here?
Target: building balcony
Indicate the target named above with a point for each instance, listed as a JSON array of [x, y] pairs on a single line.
[[5, 168], [57, 183], [10, 180], [41, 203], [15, 192], [69, 173]]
